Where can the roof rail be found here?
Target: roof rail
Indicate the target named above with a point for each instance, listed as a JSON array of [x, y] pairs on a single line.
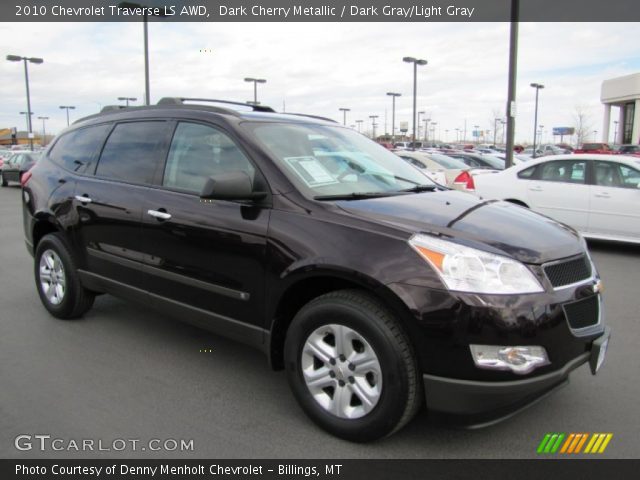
[[317, 117], [181, 100], [112, 108]]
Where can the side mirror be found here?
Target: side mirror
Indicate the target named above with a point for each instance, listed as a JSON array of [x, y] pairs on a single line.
[[230, 186]]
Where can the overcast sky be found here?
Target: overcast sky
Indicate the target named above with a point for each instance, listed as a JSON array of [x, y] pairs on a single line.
[[316, 68]]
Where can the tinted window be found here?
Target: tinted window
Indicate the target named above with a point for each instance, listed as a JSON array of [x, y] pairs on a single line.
[[567, 171], [608, 174], [198, 152], [528, 173], [77, 150], [132, 152]]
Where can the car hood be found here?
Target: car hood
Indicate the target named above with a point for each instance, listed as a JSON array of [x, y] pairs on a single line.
[[489, 225]]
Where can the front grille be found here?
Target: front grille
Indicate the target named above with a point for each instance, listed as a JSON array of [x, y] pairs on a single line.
[[583, 313], [569, 272]]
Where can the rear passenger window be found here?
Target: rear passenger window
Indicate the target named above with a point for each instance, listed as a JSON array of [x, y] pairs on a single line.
[[76, 151], [133, 151], [198, 152]]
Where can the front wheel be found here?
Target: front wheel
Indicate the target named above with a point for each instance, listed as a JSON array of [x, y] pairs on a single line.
[[351, 367]]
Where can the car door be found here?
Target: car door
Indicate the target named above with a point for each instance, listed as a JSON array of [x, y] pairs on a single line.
[[205, 255], [109, 203], [559, 190], [615, 200]]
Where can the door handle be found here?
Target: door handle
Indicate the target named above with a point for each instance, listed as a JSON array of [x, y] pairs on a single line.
[[83, 199], [602, 195], [159, 215], [536, 189]]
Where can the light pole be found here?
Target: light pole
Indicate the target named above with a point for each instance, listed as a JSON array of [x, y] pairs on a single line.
[[457, 134], [255, 81], [44, 131], [127, 99], [393, 96], [433, 131], [495, 130], [27, 115], [344, 115], [615, 132], [541, 127], [419, 122], [537, 86], [415, 62], [67, 108], [426, 128], [359, 122], [503, 123], [373, 125], [145, 30], [37, 61]]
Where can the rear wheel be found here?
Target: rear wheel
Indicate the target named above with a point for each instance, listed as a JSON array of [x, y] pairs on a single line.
[[57, 279], [351, 367]]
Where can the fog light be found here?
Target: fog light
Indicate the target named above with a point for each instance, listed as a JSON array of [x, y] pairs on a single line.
[[520, 360]]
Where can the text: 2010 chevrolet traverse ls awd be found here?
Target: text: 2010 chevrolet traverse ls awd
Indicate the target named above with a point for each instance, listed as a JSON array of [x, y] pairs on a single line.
[[375, 289]]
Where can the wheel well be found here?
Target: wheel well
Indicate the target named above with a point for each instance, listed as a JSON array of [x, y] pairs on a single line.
[[41, 229], [301, 293], [516, 202]]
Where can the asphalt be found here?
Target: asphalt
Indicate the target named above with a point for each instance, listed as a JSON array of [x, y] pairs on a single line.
[[127, 372]]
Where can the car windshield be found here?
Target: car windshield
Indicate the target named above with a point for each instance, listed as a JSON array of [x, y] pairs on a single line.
[[448, 162], [324, 161]]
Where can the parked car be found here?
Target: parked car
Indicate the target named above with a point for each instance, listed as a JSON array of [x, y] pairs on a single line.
[[476, 160], [598, 195], [601, 148], [4, 156], [629, 149], [17, 164], [454, 172], [366, 282]]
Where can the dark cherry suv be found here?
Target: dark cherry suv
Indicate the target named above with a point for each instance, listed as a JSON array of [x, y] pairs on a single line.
[[374, 288]]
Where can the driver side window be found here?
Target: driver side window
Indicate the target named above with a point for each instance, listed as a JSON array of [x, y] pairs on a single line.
[[198, 152]]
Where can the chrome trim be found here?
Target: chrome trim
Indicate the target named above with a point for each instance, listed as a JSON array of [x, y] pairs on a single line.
[[82, 199], [159, 215]]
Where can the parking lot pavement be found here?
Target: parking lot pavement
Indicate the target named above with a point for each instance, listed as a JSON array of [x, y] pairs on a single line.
[[127, 372]]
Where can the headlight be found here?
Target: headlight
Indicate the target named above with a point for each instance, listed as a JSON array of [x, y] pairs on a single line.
[[466, 269]]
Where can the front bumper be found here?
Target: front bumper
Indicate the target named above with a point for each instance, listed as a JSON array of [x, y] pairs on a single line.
[[481, 403]]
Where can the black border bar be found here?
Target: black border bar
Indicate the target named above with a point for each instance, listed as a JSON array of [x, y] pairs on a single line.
[[320, 11], [538, 469]]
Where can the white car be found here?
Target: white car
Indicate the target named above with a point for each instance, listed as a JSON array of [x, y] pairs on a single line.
[[598, 195]]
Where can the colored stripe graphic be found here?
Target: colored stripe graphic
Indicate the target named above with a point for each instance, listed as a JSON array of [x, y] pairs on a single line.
[[573, 443], [550, 443]]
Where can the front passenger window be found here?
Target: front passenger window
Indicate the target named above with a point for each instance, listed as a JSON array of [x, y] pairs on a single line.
[[198, 152]]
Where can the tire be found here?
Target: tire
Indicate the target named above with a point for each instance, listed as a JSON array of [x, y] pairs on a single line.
[[3, 181], [356, 401], [57, 279]]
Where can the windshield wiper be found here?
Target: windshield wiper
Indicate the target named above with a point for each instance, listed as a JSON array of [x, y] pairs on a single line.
[[357, 195], [420, 188]]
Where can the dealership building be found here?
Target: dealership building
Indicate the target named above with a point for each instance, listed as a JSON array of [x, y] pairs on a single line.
[[624, 93]]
